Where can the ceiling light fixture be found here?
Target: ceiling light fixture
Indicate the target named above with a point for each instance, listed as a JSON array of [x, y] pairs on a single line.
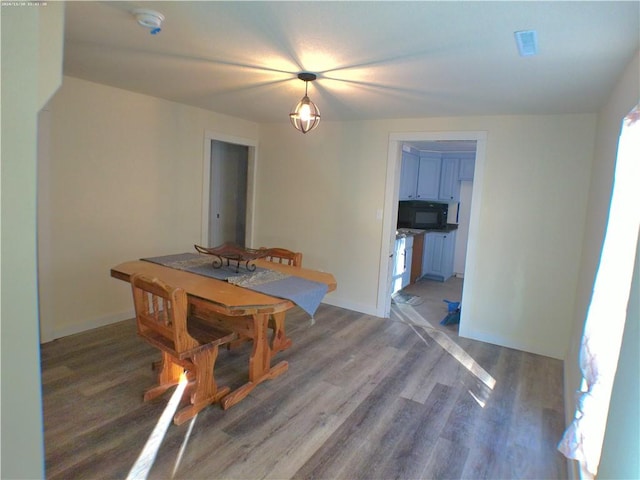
[[305, 116]]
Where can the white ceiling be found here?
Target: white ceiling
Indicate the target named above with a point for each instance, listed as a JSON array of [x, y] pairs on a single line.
[[374, 60]]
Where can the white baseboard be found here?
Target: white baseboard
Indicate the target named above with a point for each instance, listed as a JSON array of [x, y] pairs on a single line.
[[91, 324], [356, 307], [118, 317]]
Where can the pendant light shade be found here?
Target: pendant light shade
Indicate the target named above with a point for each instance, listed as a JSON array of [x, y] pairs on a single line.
[[305, 116]]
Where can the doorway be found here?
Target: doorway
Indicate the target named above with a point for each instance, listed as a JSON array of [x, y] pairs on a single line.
[[228, 183], [394, 163], [228, 193]]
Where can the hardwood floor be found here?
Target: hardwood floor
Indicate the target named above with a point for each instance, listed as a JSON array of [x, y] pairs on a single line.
[[364, 398]]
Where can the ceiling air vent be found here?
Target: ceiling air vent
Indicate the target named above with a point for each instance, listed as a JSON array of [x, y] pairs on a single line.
[[527, 41]]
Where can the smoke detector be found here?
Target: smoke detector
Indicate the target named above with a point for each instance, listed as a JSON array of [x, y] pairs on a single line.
[[149, 19]]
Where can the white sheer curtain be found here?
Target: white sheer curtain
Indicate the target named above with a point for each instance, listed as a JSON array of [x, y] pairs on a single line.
[[607, 312]]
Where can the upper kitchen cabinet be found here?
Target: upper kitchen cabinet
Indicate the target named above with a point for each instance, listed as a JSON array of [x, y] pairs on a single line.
[[434, 176], [428, 177], [449, 183], [409, 176], [420, 176], [466, 168]]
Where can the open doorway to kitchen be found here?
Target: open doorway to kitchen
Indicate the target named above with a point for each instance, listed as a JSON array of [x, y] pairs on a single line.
[[469, 201]]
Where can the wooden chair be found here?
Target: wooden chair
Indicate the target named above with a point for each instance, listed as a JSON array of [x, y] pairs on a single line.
[[282, 255], [186, 343], [279, 340]]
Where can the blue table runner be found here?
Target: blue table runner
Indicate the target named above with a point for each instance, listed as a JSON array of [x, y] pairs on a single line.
[[307, 294]]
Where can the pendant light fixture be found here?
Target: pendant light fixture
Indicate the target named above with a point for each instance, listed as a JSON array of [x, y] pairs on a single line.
[[305, 116]]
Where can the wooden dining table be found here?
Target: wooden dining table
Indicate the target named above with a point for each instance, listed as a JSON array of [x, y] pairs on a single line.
[[239, 309]]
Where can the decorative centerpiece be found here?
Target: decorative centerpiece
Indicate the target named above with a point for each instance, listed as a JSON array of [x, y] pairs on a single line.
[[230, 252]]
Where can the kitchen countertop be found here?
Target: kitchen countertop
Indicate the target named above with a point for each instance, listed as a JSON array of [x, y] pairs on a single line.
[[409, 232]]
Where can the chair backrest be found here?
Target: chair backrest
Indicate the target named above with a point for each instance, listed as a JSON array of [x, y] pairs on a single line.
[[282, 255], [161, 313]]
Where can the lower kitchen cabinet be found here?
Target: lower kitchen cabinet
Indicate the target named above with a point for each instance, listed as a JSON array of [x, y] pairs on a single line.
[[437, 260]]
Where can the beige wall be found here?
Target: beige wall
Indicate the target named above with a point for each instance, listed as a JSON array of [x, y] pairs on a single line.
[[29, 34], [319, 193], [124, 181], [50, 50], [361, 145], [531, 218], [521, 282]]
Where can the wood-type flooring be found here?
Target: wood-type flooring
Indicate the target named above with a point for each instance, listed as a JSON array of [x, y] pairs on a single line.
[[364, 398]]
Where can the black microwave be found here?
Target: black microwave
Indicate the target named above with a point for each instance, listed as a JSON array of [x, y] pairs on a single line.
[[422, 215]]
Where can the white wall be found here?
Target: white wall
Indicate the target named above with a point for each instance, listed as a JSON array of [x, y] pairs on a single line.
[[124, 182], [531, 218], [31, 65]]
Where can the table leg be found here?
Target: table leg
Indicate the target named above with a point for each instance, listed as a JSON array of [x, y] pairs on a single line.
[[259, 363], [279, 341]]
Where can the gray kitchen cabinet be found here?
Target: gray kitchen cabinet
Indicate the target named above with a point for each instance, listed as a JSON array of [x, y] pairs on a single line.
[[437, 259]]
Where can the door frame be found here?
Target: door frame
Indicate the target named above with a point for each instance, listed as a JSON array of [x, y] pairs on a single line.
[[392, 191], [209, 136]]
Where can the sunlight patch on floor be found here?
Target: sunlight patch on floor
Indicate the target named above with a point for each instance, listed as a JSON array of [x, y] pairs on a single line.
[[183, 447], [408, 315], [147, 456]]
